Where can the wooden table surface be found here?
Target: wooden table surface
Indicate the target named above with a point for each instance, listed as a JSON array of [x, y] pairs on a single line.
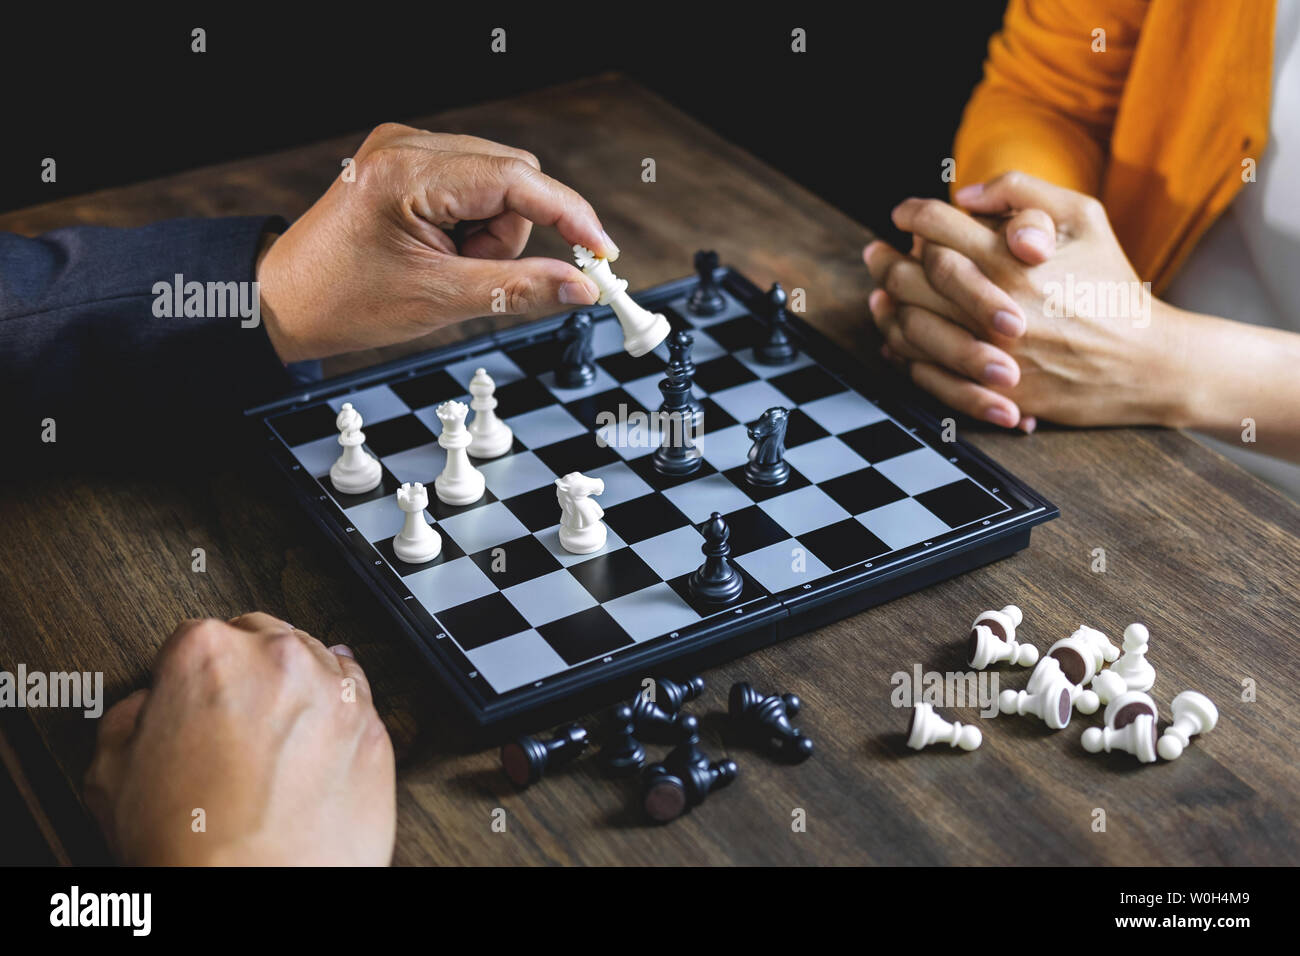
[[1205, 555]]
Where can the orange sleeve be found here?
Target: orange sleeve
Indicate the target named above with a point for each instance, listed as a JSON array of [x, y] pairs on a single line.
[[1049, 95]]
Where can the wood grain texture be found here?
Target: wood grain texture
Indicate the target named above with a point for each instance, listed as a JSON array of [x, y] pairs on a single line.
[[1205, 555]]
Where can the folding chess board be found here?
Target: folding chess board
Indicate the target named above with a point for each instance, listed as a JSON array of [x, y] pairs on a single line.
[[519, 630]]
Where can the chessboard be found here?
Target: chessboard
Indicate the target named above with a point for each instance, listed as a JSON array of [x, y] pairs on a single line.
[[517, 629]]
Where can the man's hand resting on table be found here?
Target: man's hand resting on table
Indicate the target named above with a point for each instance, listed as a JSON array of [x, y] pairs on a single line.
[[420, 231], [270, 734]]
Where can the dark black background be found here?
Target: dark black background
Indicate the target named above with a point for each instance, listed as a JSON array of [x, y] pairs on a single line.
[[864, 118]]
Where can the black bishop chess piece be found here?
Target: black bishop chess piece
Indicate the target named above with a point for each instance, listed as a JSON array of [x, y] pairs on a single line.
[[767, 465], [526, 759], [677, 454], [706, 298], [622, 753], [681, 365], [777, 349], [717, 580], [666, 794], [766, 721], [576, 369]]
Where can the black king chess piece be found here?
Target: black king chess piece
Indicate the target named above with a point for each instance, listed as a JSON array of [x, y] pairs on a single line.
[[677, 454], [777, 349], [576, 369], [706, 299], [766, 720], [767, 465], [716, 581], [681, 365], [526, 759]]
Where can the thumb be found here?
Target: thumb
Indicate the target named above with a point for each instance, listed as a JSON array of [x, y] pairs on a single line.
[[1031, 236], [1016, 190], [514, 286]]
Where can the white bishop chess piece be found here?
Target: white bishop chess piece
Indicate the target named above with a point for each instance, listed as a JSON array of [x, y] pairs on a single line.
[[460, 482], [490, 436], [355, 472], [417, 542], [929, 728], [642, 329], [581, 530], [1133, 665]]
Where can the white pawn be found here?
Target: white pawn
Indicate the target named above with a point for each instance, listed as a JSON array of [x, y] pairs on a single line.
[[1108, 685], [984, 648], [581, 530], [1137, 738], [642, 329], [355, 472], [1132, 664], [1193, 714], [491, 437], [1050, 697], [1105, 648], [1125, 707], [929, 728], [417, 542], [1079, 657], [460, 482]]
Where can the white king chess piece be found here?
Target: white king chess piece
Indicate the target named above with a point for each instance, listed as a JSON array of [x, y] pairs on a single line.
[[460, 482], [581, 530], [355, 472], [490, 436], [929, 728], [642, 329], [417, 542]]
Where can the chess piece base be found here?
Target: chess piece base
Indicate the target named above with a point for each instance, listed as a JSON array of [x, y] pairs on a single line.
[[462, 493], [640, 343], [768, 477], [356, 481], [715, 592], [493, 445], [418, 551], [584, 540]]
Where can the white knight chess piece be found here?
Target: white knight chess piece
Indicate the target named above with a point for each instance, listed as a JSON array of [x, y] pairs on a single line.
[[581, 530], [417, 542], [642, 329], [355, 472], [491, 437], [460, 482]]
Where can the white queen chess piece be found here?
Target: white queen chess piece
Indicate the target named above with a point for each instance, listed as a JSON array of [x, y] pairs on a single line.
[[460, 482], [642, 329], [490, 436], [581, 530], [355, 472], [417, 542]]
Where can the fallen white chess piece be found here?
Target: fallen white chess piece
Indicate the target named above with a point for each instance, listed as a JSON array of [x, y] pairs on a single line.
[[460, 482], [355, 472], [581, 530], [1194, 713], [1049, 696], [642, 329], [491, 437], [1130, 727], [929, 728], [993, 639], [417, 542]]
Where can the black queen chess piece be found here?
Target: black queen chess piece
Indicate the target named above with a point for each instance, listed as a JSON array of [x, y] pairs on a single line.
[[677, 454]]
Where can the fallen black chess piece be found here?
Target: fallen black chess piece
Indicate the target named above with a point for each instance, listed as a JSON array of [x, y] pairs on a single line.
[[765, 720]]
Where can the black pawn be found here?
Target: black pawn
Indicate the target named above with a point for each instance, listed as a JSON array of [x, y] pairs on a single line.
[[778, 349], [526, 759], [716, 581], [767, 466], [576, 369], [680, 365], [674, 695], [623, 753], [650, 720], [686, 754], [677, 454], [706, 299], [766, 719], [666, 795]]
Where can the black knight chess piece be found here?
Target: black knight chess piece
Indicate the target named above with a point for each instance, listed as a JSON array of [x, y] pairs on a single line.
[[766, 721], [706, 299], [767, 465], [526, 759], [777, 349], [717, 580], [576, 369]]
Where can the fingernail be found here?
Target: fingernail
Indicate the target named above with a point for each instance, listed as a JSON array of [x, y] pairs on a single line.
[[612, 250], [576, 293], [1000, 416], [1036, 239], [342, 650], [995, 373], [1008, 323], [967, 193], [1028, 424]]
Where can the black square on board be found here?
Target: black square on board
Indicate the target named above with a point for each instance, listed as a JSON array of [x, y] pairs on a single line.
[[582, 636], [763, 492], [714, 419], [750, 590], [843, 543], [387, 487], [800, 429], [536, 509], [525, 395], [643, 518], [482, 621], [615, 401], [624, 368], [515, 561], [753, 528], [736, 334], [960, 503], [645, 469], [579, 453], [723, 372], [612, 575], [862, 490], [450, 552], [307, 424], [807, 384], [538, 357], [442, 511], [397, 434], [432, 388], [880, 441]]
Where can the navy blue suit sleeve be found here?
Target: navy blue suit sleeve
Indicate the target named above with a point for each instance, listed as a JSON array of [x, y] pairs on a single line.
[[90, 326]]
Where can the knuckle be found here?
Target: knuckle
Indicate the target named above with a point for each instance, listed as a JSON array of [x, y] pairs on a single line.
[[895, 282], [1092, 209], [1012, 179], [202, 639], [943, 266], [289, 655], [385, 131], [928, 214], [520, 294]]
